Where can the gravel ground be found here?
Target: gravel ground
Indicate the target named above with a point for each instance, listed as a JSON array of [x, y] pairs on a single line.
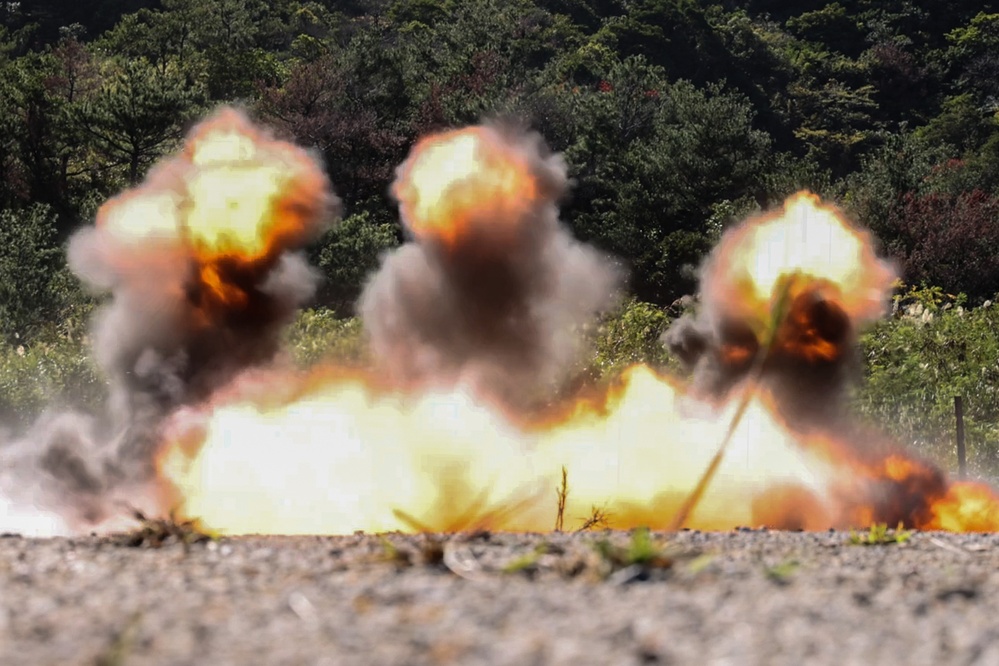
[[741, 597]]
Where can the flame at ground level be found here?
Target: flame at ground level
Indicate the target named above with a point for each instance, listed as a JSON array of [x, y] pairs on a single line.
[[339, 455]]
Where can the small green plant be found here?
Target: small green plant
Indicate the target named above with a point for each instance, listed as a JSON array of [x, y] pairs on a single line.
[[423, 550], [880, 535], [781, 573], [642, 550], [394, 555], [527, 562]]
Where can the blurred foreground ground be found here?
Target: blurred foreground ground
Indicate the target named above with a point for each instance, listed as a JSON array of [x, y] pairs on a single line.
[[742, 597]]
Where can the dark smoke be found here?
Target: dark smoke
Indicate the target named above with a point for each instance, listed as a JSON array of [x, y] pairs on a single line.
[[804, 349], [499, 307], [165, 339], [720, 352], [808, 369]]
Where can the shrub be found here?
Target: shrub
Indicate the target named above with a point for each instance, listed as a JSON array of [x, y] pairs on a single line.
[[628, 336], [917, 362], [319, 334], [35, 285], [55, 372], [348, 254], [950, 240]]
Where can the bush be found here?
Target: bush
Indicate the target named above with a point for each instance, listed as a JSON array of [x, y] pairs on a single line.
[[917, 362], [628, 336], [35, 286], [57, 372], [348, 254], [950, 240], [318, 335]]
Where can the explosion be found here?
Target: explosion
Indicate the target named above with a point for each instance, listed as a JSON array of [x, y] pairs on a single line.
[[473, 324], [806, 244], [492, 292], [200, 261], [454, 179]]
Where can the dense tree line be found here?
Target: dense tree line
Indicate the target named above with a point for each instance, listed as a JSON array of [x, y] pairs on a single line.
[[676, 117]]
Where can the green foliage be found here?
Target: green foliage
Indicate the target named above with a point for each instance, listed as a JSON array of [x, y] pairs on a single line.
[[917, 362], [830, 25], [628, 336], [880, 535], [652, 160], [348, 254], [316, 335], [35, 288], [902, 165], [34, 376], [136, 115], [960, 124]]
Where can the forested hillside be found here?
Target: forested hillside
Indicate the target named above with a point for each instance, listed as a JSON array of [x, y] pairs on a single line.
[[676, 118]]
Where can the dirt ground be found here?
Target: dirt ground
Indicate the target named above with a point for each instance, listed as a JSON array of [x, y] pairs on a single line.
[[741, 597]]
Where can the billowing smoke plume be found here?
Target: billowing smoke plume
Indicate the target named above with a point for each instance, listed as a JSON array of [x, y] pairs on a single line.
[[782, 297], [494, 288], [200, 264]]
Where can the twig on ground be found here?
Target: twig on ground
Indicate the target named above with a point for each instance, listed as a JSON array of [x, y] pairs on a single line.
[[598, 518], [158, 532]]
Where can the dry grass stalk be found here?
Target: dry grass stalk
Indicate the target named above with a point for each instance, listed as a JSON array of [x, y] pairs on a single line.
[[597, 518], [159, 532], [562, 492]]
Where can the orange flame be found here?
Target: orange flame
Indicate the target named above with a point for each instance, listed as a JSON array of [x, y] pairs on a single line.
[[249, 195], [808, 243], [335, 452], [462, 178], [966, 507], [231, 192], [229, 203]]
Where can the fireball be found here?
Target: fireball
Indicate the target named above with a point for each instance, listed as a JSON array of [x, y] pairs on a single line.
[[806, 245], [231, 192], [453, 181], [249, 196], [336, 451]]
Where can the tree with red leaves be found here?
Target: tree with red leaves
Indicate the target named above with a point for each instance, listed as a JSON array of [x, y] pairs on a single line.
[[950, 240], [318, 107]]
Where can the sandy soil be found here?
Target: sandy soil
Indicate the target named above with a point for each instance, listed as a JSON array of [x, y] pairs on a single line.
[[741, 597]]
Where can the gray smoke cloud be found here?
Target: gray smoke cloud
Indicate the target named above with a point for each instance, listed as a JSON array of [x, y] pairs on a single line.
[[493, 289], [719, 352], [189, 309], [813, 358], [811, 363]]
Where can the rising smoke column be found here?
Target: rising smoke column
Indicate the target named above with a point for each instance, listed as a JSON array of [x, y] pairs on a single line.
[[200, 263], [804, 269], [782, 299], [492, 289]]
